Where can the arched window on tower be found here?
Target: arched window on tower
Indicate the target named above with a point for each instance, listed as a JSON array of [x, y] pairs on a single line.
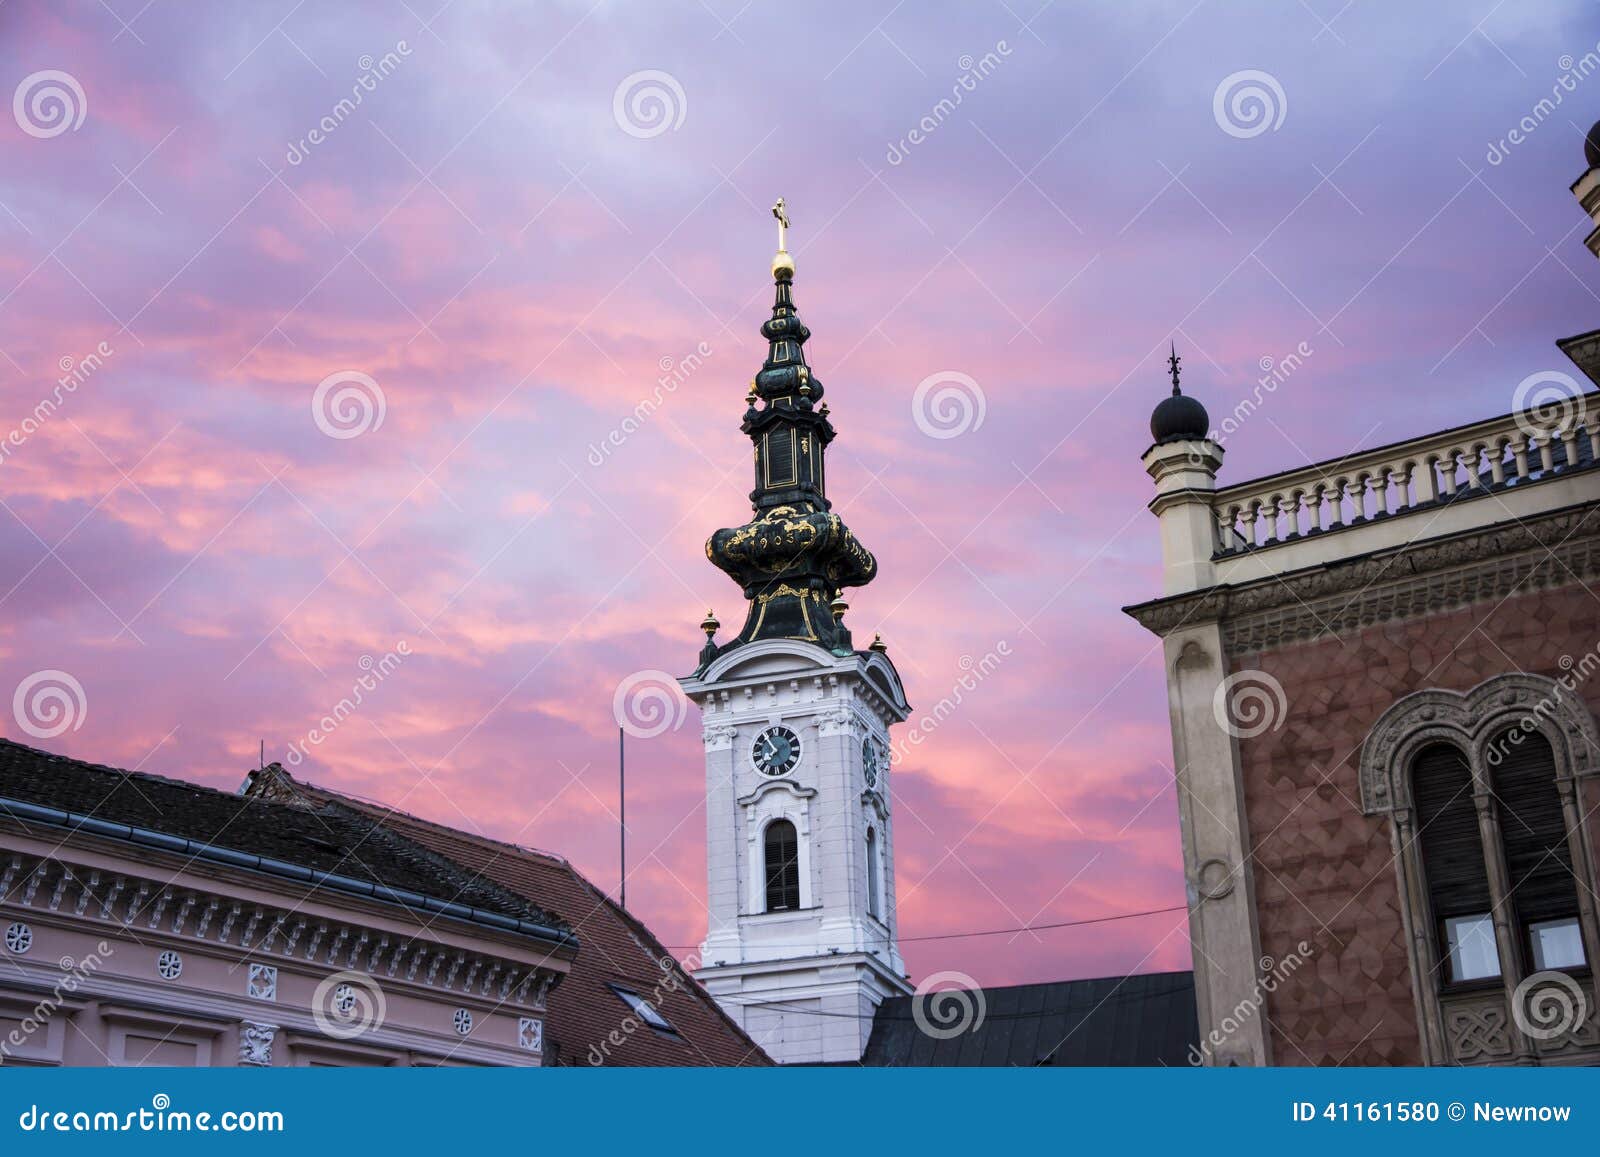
[[873, 907], [1538, 854], [1453, 861], [781, 856]]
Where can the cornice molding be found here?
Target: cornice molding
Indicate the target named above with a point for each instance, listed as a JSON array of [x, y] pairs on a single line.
[[1411, 581], [51, 888]]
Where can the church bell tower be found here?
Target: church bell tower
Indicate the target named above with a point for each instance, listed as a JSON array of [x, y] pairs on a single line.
[[801, 944]]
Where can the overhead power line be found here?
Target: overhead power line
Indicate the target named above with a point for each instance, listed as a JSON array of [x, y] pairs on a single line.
[[1000, 931]]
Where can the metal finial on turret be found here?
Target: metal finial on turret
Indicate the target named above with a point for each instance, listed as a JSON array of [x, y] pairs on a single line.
[[1173, 363]]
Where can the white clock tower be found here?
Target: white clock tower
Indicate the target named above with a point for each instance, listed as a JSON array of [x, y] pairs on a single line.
[[801, 944]]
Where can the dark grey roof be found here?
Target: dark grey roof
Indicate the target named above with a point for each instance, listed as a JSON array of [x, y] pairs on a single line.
[[325, 841], [1148, 1019]]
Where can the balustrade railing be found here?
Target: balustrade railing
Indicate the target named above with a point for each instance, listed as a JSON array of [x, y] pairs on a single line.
[[1402, 478]]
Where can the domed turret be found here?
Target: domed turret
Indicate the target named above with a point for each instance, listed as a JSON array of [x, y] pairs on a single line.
[[1178, 418], [1591, 147]]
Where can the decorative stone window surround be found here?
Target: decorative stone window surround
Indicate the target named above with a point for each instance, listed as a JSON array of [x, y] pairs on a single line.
[[1479, 1028], [778, 799]]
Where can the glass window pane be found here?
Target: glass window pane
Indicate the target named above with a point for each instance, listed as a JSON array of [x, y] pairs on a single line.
[[1470, 943], [1557, 944], [644, 1009]]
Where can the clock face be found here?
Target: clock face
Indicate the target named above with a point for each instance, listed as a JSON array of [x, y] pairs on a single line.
[[776, 751], [871, 762]]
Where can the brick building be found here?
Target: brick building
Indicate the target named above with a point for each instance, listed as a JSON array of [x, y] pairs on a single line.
[[1383, 676]]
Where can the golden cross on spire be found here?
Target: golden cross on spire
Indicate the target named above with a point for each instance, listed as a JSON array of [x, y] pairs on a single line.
[[782, 214]]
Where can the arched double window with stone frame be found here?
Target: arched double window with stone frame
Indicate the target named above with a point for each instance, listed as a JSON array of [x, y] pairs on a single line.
[[1494, 866]]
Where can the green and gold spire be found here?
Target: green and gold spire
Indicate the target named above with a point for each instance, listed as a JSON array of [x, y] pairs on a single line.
[[793, 559]]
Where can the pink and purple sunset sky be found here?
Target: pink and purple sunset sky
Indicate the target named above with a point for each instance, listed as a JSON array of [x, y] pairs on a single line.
[[485, 240]]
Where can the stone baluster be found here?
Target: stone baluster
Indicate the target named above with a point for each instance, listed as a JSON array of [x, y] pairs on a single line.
[[1497, 462], [1427, 482], [1519, 451]]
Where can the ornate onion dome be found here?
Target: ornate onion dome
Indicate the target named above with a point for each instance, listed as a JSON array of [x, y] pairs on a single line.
[[793, 558], [1178, 418], [1591, 146]]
